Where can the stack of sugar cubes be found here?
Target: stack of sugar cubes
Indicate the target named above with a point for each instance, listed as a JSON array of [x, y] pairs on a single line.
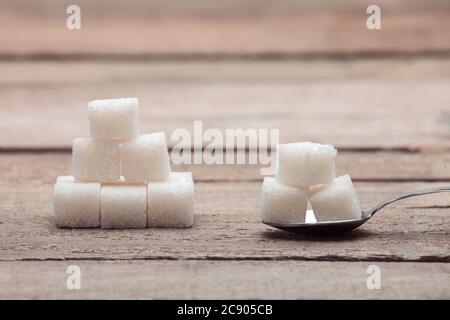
[[306, 172], [122, 179]]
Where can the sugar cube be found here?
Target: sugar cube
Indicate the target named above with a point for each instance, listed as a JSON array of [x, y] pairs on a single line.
[[114, 118], [123, 206], [65, 179], [281, 203], [337, 201], [146, 158], [95, 160], [305, 163], [171, 202], [77, 204]]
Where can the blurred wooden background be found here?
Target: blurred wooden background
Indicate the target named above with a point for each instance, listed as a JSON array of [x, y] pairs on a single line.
[[309, 68]]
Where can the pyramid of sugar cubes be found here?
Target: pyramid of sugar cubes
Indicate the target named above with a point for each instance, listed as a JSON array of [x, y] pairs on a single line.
[[122, 179], [306, 173]]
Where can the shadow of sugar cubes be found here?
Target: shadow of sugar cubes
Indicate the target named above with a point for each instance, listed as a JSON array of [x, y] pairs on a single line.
[[122, 179]]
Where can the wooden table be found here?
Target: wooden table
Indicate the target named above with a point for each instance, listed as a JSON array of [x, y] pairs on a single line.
[[311, 69]]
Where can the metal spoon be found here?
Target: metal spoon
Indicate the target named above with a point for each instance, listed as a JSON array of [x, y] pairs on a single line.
[[341, 226]]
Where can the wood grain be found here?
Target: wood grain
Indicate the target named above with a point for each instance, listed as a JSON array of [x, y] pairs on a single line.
[[222, 280], [309, 68], [226, 227], [191, 28], [351, 104]]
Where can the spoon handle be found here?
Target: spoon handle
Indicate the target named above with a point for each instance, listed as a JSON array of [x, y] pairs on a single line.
[[405, 196]]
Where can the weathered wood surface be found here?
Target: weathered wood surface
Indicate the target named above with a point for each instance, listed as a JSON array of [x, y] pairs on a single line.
[[351, 104], [227, 226], [223, 280], [232, 64], [197, 28]]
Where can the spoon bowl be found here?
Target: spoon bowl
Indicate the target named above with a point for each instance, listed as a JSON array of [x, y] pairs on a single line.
[[342, 226], [320, 228]]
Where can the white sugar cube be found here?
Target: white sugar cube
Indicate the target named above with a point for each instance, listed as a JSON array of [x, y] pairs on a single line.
[[337, 201], [95, 160], [77, 204], [171, 202], [124, 206], [114, 118], [65, 179], [281, 203], [146, 158], [305, 163]]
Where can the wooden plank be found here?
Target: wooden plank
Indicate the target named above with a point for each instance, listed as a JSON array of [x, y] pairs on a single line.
[[271, 27], [226, 227], [352, 104], [223, 280], [361, 166]]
